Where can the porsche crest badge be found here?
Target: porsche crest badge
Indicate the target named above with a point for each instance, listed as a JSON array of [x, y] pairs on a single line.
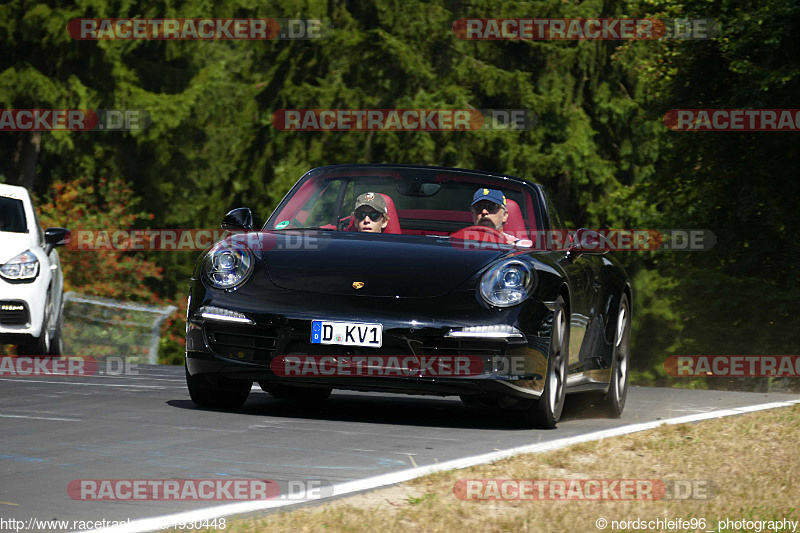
[[358, 284]]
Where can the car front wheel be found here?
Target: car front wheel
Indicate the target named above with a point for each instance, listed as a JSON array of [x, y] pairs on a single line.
[[546, 411], [57, 338], [227, 394], [40, 345]]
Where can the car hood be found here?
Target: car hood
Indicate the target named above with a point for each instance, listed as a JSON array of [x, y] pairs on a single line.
[[13, 244], [388, 265]]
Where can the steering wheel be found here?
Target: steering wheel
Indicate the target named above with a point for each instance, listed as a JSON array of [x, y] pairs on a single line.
[[480, 233], [344, 223]]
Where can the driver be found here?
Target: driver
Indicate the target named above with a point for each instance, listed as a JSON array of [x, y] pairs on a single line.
[[489, 209], [370, 213]]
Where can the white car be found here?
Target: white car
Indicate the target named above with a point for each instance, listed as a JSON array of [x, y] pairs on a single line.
[[31, 282]]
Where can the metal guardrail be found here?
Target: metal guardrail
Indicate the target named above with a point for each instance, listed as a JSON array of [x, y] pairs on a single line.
[[153, 325]]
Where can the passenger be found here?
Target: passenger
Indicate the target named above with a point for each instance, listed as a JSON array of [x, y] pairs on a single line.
[[489, 209], [370, 213]]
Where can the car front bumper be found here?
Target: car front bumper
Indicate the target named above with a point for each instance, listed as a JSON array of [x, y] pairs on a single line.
[[22, 308], [507, 366]]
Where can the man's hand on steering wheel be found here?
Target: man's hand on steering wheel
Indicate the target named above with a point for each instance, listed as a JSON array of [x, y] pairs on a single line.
[[481, 233]]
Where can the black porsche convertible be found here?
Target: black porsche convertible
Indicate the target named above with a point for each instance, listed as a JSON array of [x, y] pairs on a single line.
[[436, 301]]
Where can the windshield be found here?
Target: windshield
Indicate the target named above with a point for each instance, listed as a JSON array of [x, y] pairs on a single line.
[[423, 201], [12, 215]]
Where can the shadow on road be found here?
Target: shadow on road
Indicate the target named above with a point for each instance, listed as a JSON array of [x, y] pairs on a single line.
[[376, 408]]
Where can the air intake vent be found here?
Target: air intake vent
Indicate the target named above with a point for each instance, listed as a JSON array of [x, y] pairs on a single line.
[[14, 313], [243, 343]]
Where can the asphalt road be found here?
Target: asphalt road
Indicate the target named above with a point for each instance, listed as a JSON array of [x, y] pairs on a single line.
[[144, 426]]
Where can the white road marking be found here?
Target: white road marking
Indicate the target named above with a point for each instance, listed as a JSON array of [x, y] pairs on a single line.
[[140, 376], [360, 485], [67, 382], [376, 451], [41, 418]]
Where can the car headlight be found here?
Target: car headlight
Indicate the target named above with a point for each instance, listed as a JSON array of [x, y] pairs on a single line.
[[507, 283], [227, 265], [23, 266]]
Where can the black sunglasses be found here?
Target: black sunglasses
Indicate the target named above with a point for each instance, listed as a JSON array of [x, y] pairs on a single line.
[[491, 207], [373, 215]]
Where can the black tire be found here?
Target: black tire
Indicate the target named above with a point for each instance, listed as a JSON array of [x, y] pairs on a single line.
[[231, 395], [546, 411], [40, 345], [57, 338], [298, 394], [614, 401]]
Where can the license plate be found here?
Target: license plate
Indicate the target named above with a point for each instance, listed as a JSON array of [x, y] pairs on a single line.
[[346, 333]]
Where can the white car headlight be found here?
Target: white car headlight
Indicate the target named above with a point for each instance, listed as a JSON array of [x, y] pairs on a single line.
[[507, 283], [23, 266], [227, 265]]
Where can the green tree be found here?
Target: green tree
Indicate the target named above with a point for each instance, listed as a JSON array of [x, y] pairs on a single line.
[[81, 207], [600, 143], [744, 295]]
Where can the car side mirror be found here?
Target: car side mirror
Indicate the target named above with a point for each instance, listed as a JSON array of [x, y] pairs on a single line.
[[240, 218], [55, 237], [586, 241]]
